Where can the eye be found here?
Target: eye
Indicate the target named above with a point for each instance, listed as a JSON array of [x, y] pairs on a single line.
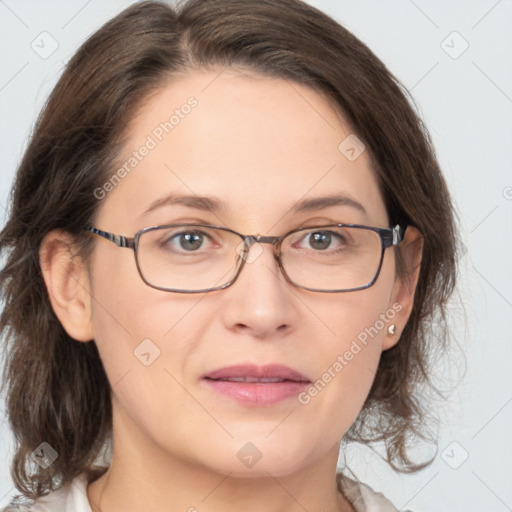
[[321, 240], [186, 240]]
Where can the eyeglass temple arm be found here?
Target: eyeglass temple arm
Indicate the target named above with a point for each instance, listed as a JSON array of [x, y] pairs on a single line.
[[392, 236], [119, 240]]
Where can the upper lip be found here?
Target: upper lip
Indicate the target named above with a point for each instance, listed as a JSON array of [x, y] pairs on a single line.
[[257, 373]]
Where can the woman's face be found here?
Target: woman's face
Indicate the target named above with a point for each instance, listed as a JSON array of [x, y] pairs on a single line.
[[257, 146]]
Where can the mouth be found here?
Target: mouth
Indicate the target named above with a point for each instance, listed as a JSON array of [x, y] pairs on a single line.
[[254, 385], [249, 378]]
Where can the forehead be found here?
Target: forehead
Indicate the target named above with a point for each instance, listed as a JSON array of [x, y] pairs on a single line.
[[257, 144]]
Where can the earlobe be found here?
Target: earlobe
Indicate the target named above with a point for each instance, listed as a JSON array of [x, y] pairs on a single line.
[[402, 297], [67, 282]]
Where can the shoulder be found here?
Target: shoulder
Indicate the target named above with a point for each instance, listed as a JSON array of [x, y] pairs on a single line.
[[16, 507], [71, 497], [362, 497]]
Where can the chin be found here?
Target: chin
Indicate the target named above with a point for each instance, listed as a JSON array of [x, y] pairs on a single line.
[[261, 458]]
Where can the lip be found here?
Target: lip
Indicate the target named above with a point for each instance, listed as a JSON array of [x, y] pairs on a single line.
[[261, 385]]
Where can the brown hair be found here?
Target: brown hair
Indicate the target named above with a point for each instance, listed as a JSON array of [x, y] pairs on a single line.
[[57, 389]]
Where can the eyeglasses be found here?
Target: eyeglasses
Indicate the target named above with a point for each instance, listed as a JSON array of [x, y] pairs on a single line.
[[195, 258]]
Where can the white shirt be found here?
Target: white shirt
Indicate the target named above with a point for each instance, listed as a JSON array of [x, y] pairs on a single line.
[[72, 497]]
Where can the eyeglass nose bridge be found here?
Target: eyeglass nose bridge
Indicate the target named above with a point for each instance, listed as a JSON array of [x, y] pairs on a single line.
[[275, 241], [262, 239]]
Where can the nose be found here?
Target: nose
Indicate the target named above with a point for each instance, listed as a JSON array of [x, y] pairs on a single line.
[[260, 302]]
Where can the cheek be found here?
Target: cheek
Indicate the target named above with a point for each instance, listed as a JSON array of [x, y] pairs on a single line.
[[144, 343], [134, 323], [348, 354]]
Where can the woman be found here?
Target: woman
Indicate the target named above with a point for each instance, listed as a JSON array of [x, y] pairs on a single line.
[[229, 238]]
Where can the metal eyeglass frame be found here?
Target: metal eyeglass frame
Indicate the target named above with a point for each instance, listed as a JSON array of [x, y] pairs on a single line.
[[388, 238]]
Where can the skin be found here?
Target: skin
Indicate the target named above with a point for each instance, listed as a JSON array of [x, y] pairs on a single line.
[[260, 145]]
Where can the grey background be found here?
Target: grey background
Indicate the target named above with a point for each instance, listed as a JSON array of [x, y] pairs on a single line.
[[466, 99]]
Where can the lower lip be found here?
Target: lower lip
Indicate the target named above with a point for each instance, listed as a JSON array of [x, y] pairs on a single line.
[[257, 394]]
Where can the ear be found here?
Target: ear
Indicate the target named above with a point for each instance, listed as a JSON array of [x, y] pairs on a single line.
[[402, 296], [67, 281]]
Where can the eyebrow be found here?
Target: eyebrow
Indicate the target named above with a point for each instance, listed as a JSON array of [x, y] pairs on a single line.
[[319, 203], [208, 204], [211, 204]]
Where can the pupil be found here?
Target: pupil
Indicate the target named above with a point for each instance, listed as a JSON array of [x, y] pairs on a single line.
[[190, 241], [321, 240]]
